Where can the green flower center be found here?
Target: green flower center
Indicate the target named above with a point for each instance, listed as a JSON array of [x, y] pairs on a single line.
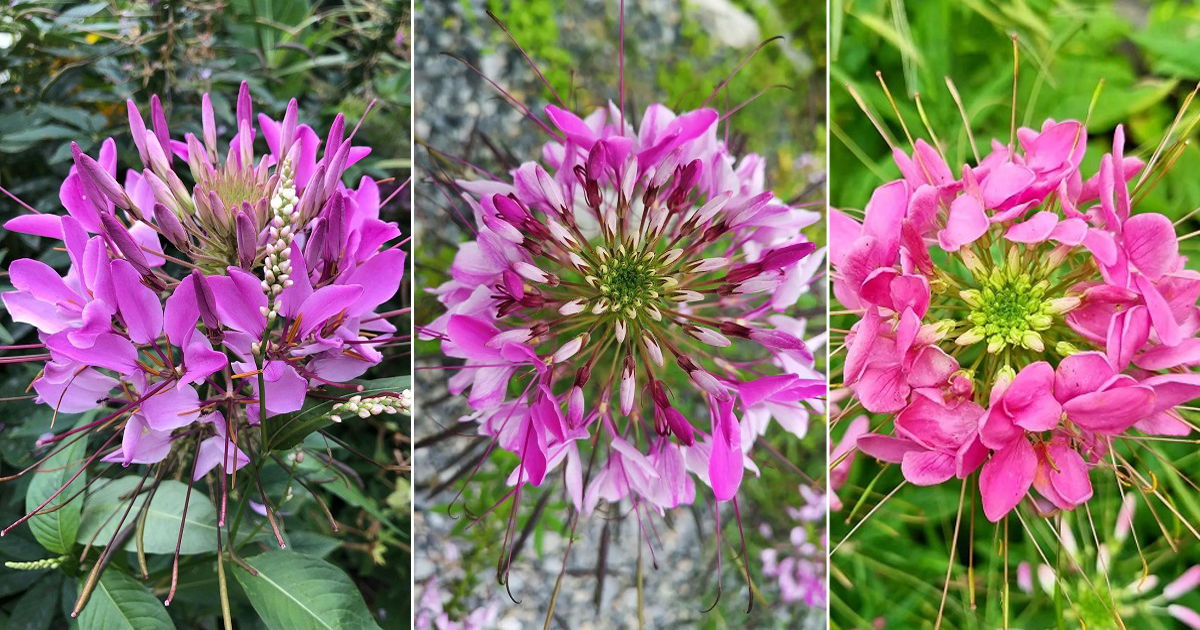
[[627, 283], [1009, 309]]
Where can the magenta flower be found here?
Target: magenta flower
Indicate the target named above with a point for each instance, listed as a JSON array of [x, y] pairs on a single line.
[[627, 258], [214, 288], [1015, 318]]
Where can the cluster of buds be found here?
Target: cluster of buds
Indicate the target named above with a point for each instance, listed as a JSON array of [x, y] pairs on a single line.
[[281, 232], [372, 406]]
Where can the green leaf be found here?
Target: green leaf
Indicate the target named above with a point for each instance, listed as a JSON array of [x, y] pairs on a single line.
[[57, 530], [36, 607], [120, 603], [162, 521], [293, 591], [287, 430]]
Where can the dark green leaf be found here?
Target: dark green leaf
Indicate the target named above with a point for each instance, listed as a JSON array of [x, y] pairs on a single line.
[[120, 603], [56, 530], [162, 522], [294, 591]]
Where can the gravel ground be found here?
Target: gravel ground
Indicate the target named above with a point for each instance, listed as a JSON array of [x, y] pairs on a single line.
[[455, 108]]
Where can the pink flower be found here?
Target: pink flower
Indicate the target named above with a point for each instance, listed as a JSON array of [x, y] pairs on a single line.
[[623, 250], [277, 272], [1020, 278]]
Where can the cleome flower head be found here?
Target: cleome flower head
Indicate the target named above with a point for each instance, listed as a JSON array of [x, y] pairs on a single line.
[[215, 288], [628, 260], [1016, 317]]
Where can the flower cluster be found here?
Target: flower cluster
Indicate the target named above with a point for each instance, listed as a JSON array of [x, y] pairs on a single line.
[[431, 611], [266, 287], [800, 573], [1016, 317], [625, 261]]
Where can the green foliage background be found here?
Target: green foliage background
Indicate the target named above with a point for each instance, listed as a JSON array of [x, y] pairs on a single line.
[[891, 571], [66, 70]]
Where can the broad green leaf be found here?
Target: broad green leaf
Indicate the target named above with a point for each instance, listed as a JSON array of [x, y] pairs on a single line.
[[120, 603], [287, 430], [293, 591], [57, 530], [162, 520]]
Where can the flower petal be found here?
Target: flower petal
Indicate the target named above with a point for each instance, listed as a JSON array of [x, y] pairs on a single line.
[[1006, 478]]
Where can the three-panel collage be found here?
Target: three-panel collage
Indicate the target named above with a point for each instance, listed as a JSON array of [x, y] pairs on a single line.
[[600, 314]]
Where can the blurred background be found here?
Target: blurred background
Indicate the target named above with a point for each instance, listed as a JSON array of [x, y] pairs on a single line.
[[66, 69], [1147, 56], [677, 52]]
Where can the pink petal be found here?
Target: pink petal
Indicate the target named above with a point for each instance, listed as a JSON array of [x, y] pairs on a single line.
[[882, 389], [1167, 423], [932, 367], [379, 276], [1150, 243], [757, 390], [470, 336], [1081, 373], [1158, 358], [47, 225], [1054, 145], [886, 448], [966, 223], [200, 360], [884, 214], [1004, 182], [285, 388], [1070, 231], [1102, 246], [1037, 229], [1006, 478], [572, 127], [139, 305], [1171, 390], [324, 303], [212, 450], [725, 466], [240, 298], [843, 231], [41, 281], [1160, 313], [181, 312], [532, 450], [108, 351], [1110, 411], [927, 468], [1127, 333], [1068, 474], [997, 430], [171, 408]]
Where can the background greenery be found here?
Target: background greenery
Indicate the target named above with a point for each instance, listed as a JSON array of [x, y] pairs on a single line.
[[891, 572], [575, 45], [66, 69]]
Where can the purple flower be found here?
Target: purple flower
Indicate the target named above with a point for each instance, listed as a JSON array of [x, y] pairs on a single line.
[[266, 288], [627, 259]]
